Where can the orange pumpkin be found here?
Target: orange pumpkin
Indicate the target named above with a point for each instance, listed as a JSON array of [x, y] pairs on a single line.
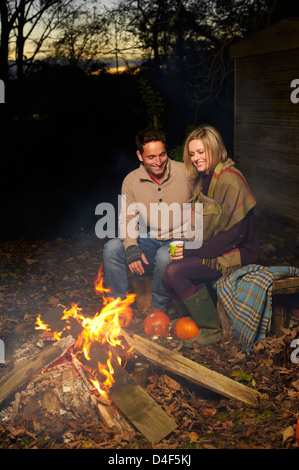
[[157, 323], [186, 328]]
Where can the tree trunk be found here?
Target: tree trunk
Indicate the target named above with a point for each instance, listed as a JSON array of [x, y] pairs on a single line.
[[4, 41], [20, 42]]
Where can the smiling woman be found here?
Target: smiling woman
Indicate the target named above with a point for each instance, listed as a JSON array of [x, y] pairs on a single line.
[[229, 231]]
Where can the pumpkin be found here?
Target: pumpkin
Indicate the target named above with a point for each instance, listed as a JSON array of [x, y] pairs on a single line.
[[157, 324], [186, 328]]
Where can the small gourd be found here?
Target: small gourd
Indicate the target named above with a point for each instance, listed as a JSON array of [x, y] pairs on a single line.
[[186, 328]]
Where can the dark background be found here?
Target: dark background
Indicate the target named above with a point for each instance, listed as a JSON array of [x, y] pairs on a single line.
[[67, 139], [69, 142]]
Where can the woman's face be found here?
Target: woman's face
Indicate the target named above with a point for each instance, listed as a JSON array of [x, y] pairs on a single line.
[[198, 155]]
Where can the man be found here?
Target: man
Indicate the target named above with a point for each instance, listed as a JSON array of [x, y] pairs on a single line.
[[158, 182]]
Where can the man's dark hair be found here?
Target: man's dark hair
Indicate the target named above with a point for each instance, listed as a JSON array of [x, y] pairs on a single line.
[[148, 135]]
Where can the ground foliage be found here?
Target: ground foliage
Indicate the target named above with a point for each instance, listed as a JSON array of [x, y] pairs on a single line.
[[36, 275]]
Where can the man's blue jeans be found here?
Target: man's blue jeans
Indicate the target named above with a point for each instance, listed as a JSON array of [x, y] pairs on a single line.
[[115, 268]]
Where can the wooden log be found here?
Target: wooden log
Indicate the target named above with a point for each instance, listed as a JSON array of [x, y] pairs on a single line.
[[26, 369], [192, 371], [139, 408], [136, 405], [114, 419], [109, 413], [142, 288]]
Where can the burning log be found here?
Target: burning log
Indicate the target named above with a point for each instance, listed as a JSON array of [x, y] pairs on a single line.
[[109, 414], [131, 399], [26, 369], [51, 321], [101, 350]]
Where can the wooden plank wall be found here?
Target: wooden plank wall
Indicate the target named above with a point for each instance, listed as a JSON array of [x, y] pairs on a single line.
[[267, 131]]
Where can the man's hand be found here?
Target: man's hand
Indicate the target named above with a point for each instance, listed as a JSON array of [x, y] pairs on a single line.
[[135, 258], [136, 267]]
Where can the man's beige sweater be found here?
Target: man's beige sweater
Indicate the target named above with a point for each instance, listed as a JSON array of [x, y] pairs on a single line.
[[147, 203]]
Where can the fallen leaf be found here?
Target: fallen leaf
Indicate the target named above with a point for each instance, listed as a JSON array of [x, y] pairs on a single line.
[[283, 370], [172, 383], [30, 261], [240, 375], [296, 384], [288, 434], [53, 301], [209, 412], [86, 445], [193, 437]]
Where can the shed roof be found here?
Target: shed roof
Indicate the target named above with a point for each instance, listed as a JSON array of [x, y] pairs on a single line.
[[281, 36]]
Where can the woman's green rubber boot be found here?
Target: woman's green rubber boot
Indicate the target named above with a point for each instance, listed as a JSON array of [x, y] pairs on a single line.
[[204, 313]]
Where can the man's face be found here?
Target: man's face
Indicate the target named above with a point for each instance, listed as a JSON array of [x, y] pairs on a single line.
[[154, 158]]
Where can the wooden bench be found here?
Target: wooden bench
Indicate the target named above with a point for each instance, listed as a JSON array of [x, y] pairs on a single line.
[[283, 289], [282, 292]]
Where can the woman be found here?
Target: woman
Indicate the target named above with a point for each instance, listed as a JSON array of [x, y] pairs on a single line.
[[230, 237]]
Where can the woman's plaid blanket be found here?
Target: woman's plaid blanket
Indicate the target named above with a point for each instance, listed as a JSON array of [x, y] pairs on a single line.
[[247, 298]]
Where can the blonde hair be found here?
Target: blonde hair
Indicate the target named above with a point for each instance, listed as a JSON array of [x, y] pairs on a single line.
[[213, 145]]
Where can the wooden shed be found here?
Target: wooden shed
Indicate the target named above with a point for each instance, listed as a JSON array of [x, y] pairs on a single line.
[[267, 120]]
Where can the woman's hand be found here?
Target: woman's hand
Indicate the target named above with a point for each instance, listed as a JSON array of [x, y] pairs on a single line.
[[179, 254]]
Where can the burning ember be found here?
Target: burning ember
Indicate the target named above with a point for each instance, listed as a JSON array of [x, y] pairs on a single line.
[[103, 328]]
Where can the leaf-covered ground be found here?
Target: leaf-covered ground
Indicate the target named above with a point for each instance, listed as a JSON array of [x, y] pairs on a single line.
[[36, 275]]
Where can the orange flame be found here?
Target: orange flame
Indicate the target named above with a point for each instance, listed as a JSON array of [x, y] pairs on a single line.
[[104, 327], [44, 326]]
